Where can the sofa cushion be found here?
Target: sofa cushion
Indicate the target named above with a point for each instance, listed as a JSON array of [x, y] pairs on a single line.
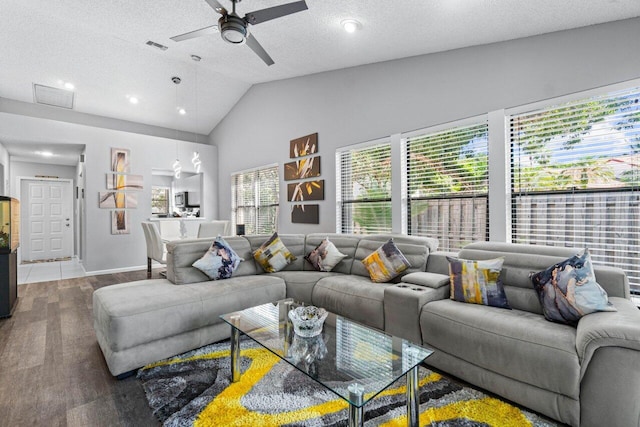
[[568, 290], [300, 283], [294, 243], [385, 263], [414, 248], [181, 254], [477, 282], [355, 297], [220, 260], [135, 313], [513, 343]]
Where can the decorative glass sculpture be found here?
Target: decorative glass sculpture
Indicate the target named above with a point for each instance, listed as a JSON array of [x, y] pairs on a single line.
[[308, 321]]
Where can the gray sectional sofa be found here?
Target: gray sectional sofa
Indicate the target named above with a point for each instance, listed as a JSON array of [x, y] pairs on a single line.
[[588, 376]]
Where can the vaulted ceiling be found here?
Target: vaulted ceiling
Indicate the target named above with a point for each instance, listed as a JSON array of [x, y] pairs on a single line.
[[100, 46]]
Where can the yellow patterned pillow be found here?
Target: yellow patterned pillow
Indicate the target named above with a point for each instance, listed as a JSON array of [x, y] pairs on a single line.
[[386, 263], [273, 255]]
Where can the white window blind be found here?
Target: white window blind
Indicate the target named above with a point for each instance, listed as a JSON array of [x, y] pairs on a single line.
[[447, 184], [255, 199], [364, 185], [576, 178]]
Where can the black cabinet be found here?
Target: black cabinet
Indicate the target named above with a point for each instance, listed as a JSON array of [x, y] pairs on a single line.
[[8, 283]]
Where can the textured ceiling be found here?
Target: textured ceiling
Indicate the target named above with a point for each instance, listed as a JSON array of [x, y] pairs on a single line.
[[100, 46]]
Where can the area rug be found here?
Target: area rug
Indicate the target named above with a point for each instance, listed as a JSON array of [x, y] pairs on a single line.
[[193, 389]]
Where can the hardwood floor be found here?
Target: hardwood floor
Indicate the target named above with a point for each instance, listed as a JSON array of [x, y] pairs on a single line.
[[52, 372]]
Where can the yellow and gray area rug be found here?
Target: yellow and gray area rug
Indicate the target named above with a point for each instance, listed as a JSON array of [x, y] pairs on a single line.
[[193, 389]]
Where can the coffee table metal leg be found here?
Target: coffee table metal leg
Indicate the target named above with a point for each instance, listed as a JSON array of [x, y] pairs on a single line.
[[413, 401], [235, 354], [356, 415]]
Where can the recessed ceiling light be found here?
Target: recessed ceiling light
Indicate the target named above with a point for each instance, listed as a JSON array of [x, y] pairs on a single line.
[[45, 153], [351, 25], [182, 111], [133, 100], [69, 86]]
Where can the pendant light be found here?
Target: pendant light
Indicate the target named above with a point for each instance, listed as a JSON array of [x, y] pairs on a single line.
[[177, 167]]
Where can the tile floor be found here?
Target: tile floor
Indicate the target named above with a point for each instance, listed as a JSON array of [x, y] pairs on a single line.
[[47, 271]]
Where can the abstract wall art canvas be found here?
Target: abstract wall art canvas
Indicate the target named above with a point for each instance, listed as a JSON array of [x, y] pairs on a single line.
[[117, 181], [305, 191], [303, 146], [120, 222], [120, 160], [118, 200], [305, 214], [301, 169]]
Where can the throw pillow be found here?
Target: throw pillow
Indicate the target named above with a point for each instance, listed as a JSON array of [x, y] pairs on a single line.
[[273, 255], [477, 282], [568, 290], [386, 262], [219, 262], [325, 256]]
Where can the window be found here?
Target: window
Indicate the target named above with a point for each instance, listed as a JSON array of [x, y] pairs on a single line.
[[255, 199], [447, 185], [576, 178], [364, 189], [159, 200]]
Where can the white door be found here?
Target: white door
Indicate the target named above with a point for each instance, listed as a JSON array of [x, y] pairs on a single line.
[[49, 231]]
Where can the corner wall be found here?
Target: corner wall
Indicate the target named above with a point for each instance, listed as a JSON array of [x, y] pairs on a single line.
[[373, 101]]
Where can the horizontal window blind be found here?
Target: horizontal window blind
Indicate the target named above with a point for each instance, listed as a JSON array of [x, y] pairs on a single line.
[[576, 178], [447, 185], [255, 200], [364, 182]]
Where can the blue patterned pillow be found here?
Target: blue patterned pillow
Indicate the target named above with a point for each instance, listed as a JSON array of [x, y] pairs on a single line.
[[568, 290], [219, 262]]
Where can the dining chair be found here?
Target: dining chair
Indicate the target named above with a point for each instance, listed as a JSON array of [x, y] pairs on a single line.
[[170, 229], [214, 228], [155, 248]]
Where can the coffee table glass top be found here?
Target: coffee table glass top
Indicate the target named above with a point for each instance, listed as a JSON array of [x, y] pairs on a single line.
[[344, 354]]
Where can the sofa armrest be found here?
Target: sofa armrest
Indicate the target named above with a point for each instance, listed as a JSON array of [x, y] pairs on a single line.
[[425, 278], [437, 262], [608, 345], [608, 329]]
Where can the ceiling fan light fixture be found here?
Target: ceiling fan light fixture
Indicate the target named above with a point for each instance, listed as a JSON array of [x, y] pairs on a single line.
[[233, 29], [351, 25]]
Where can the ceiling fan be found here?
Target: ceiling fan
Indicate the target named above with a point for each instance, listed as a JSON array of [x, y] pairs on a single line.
[[235, 29]]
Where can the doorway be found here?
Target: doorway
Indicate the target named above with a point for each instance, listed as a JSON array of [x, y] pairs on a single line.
[[47, 224]]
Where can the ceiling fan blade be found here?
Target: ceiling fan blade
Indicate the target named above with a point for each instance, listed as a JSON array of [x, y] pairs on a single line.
[[270, 13], [197, 33], [217, 6], [259, 50]]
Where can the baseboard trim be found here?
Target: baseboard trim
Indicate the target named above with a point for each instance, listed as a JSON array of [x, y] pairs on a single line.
[[118, 270]]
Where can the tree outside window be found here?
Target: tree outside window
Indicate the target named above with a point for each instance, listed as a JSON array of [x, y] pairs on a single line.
[[159, 200]]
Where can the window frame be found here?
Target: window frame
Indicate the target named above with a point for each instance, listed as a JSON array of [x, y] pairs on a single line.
[[467, 123], [256, 206], [342, 204]]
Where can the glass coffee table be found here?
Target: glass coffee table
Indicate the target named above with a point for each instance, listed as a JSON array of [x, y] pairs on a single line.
[[351, 360]]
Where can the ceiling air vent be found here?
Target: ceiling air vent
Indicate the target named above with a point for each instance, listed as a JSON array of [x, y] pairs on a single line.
[[53, 96], [156, 45]]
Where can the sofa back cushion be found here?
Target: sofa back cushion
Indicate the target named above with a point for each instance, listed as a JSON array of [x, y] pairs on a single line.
[[521, 260], [345, 243], [293, 242], [181, 254], [414, 248]]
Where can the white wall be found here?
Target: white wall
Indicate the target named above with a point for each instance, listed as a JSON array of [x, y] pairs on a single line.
[[373, 101], [28, 169], [101, 250]]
